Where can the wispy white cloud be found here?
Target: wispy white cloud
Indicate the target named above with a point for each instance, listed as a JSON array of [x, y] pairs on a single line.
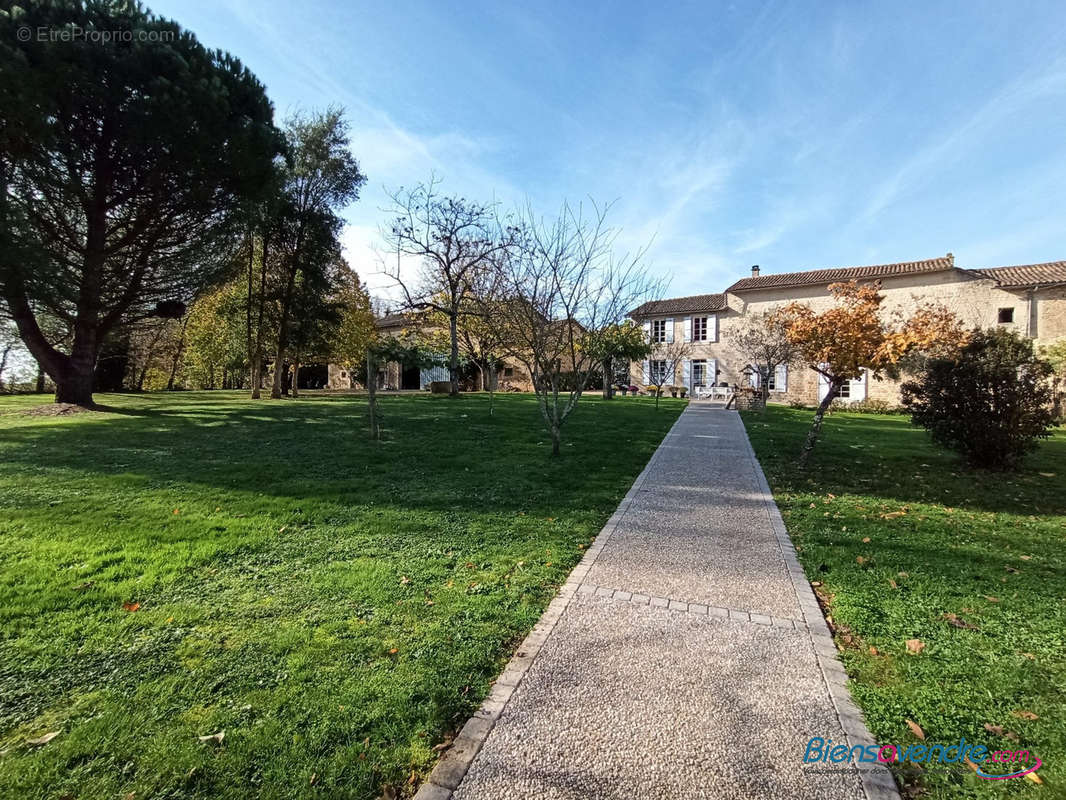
[[1005, 108]]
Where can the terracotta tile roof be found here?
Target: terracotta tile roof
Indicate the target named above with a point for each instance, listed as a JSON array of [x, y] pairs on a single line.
[[1026, 274], [681, 305], [822, 277]]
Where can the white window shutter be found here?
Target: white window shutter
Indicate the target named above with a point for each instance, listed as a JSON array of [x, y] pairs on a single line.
[[858, 387], [753, 379], [647, 373], [670, 330], [686, 373], [781, 378], [647, 334], [688, 330], [712, 327], [710, 378]]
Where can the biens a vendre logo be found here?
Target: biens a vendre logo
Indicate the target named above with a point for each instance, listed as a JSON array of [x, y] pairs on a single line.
[[996, 765]]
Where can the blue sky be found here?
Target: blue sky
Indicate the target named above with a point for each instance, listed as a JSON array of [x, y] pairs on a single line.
[[791, 135]]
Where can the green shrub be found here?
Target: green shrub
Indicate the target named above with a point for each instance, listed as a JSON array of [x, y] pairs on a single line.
[[866, 407], [991, 403]]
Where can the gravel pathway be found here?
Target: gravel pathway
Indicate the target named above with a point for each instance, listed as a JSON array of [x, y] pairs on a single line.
[[684, 658]]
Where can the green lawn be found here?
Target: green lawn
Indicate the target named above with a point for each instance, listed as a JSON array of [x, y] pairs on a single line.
[[908, 545], [197, 563]]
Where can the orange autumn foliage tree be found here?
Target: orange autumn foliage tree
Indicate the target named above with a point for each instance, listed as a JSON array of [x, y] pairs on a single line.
[[854, 336]]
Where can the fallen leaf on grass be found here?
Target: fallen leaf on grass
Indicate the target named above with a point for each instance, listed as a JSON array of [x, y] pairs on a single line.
[[893, 515], [213, 738], [131, 606], [893, 584], [816, 583], [873, 651], [915, 645], [440, 748], [405, 580], [959, 622], [991, 599], [1025, 715], [996, 729], [394, 651], [866, 540], [43, 739], [1032, 776], [1011, 570], [1030, 656], [916, 729], [1024, 558], [860, 560]]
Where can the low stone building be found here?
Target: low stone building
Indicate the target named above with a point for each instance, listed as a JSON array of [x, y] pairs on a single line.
[[394, 376], [1028, 298]]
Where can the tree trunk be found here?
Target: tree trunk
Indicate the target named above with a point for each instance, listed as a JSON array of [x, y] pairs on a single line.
[[177, 355], [3, 364], [296, 377], [608, 392], [148, 356], [257, 350], [453, 359], [372, 396], [556, 435], [492, 385], [38, 387], [74, 384], [816, 424], [278, 389]]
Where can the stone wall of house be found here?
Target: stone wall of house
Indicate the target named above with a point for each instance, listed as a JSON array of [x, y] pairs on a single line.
[[976, 300]]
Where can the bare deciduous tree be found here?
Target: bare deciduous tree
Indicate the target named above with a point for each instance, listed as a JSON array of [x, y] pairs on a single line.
[[560, 287], [763, 341], [456, 242], [663, 362]]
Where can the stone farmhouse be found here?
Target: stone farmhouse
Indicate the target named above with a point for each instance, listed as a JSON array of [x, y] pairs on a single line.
[[1029, 298]]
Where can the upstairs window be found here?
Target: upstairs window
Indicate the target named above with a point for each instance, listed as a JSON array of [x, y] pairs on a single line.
[[1006, 315], [699, 329], [658, 330]]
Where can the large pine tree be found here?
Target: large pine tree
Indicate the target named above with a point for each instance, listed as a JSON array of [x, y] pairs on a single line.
[[127, 153]]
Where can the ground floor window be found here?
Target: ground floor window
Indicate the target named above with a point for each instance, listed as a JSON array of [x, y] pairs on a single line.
[[657, 371]]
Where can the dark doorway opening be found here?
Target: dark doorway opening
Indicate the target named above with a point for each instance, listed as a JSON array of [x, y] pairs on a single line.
[[314, 376], [411, 378]]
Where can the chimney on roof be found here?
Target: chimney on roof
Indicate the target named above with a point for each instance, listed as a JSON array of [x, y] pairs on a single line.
[[951, 259], [755, 270]]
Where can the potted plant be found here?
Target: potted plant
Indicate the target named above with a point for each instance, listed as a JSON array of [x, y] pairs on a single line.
[[682, 391], [633, 390], [623, 390], [673, 391]]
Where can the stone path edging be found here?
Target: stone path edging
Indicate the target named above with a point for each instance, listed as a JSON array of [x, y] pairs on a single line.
[[877, 782]]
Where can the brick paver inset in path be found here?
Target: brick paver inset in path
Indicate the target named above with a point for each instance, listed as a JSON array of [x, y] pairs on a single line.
[[632, 697]]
